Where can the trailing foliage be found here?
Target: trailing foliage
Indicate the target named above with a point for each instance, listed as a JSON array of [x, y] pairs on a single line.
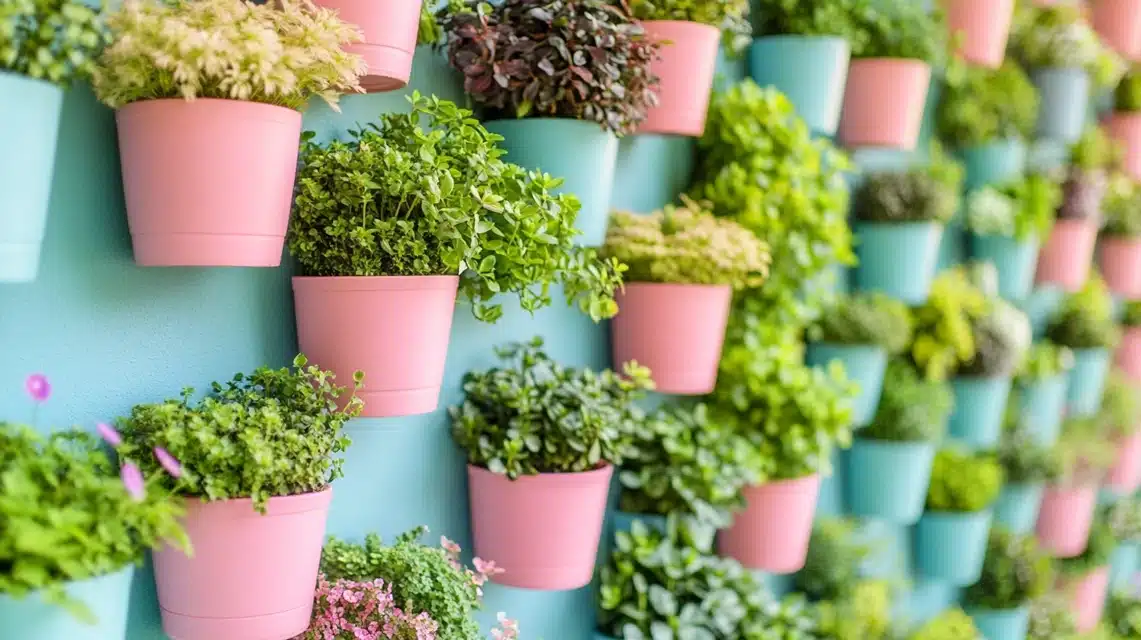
[[1024, 461], [1085, 450], [1043, 360], [832, 569], [952, 624], [1127, 96], [912, 408], [401, 200], [1097, 553], [582, 59], [914, 195], [864, 319], [1016, 570], [1023, 209], [533, 415], [730, 16], [981, 105], [900, 30], [283, 53], [1052, 618], [274, 432], [52, 40], [963, 482], [944, 335], [1122, 207], [686, 245], [1121, 404], [794, 17], [1058, 36], [1123, 615], [1085, 319]]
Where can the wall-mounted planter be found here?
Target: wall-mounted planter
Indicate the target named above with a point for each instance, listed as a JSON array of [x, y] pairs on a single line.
[[1118, 22], [1017, 507], [686, 65], [1065, 96], [864, 364], [1124, 564], [883, 103], [982, 27], [810, 70], [393, 328], [950, 547], [30, 110], [1064, 519], [389, 29], [676, 330], [771, 534], [993, 163], [1087, 381], [980, 404], [250, 575], [1065, 259], [1128, 355], [1125, 474], [542, 530], [208, 183], [1014, 259], [106, 597], [582, 153], [1125, 128], [1120, 260], [1041, 407], [888, 480], [1088, 598], [898, 259], [1001, 624]]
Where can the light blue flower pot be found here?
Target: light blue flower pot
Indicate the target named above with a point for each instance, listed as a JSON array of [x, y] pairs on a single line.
[[1087, 381], [980, 403], [950, 547], [623, 521], [1124, 564], [1001, 624], [106, 598], [1017, 507], [811, 70], [1065, 98], [651, 170], [993, 163], [898, 259], [1015, 260], [582, 153], [888, 480], [1041, 405], [730, 69], [30, 113], [952, 248], [864, 364]]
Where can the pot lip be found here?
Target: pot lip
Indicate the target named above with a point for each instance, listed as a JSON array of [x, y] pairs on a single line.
[[15, 76], [601, 474], [683, 24], [169, 103], [808, 480], [796, 37], [861, 346], [277, 505], [663, 286], [573, 122], [986, 512], [375, 283], [882, 60], [909, 224], [909, 444]]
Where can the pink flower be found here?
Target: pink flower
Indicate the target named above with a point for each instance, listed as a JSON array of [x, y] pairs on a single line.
[[510, 630], [109, 435], [38, 387], [486, 568], [133, 481], [168, 462], [448, 545]]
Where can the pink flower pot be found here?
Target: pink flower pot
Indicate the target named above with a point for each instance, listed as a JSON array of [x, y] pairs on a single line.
[[208, 183], [685, 66], [1129, 353], [1125, 474], [883, 103], [982, 27], [542, 530], [249, 576], [1064, 519], [1118, 22], [674, 329], [1120, 260], [389, 29], [1088, 598], [394, 328], [1125, 128], [772, 533], [1065, 259]]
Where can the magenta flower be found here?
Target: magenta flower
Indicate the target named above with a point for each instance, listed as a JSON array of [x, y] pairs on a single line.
[[486, 567], [448, 545], [38, 387], [168, 462], [133, 481], [109, 435]]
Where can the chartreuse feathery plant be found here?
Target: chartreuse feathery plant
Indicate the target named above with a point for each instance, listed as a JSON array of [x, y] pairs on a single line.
[[963, 482], [952, 624]]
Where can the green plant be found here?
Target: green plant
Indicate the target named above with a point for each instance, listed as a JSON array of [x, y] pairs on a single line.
[[586, 59], [533, 415], [963, 482], [1043, 360], [1095, 150], [864, 319], [1124, 517], [1024, 461], [731, 16], [865, 615], [1123, 615], [688, 245], [1016, 570], [1122, 207], [1085, 451], [912, 408], [1052, 618], [835, 554], [280, 53], [981, 105], [1002, 336], [1127, 96], [944, 335], [399, 199], [52, 40], [1023, 209], [790, 618], [1121, 404], [900, 30], [1058, 36], [1131, 315], [914, 195], [1085, 319], [952, 624], [274, 432], [1097, 553], [793, 17]]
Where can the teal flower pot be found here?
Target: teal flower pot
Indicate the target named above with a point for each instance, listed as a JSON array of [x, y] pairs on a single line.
[[106, 598], [623, 521], [1041, 405], [952, 248], [898, 259], [1015, 260], [1124, 564], [980, 404], [888, 480], [993, 163], [1017, 507], [1087, 381], [1001, 624], [30, 110], [864, 364], [582, 153], [1065, 97], [651, 170], [811, 70], [950, 547], [730, 69]]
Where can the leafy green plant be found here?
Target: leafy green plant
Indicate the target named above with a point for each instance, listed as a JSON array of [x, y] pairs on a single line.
[[864, 319], [944, 334], [1058, 36], [1023, 209], [1124, 517], [1123, 615], [952, 624], [981, 105], [1092, 158], [1024, 461], [1095, 150], [790, 617], [274, 432], [398, 199], [731, 16], [688, 245], [1127, 96], [533, 415], [832, 568], [963, 481], [865, 615], [914, 195], [900, 30], [1131, 315], [587, 60], [912, 408], [1085, 451], [1052, 618], [793, 17], [1002, 336], [52, 40], [1097, 554], [1085, 318], [1121, 404], [1122, 207], [1016, 570], [1043, 360]]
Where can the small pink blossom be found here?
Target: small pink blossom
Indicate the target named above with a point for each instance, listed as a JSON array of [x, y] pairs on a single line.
[[168, 462], [486, 568], [449, 546], [133, 481], [109, 435], [363, 611], [510, 628], [38, 387]]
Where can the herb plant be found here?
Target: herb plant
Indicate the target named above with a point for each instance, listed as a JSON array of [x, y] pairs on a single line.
[[913, 408], [1052, 618], [793, 17], [1124, 517], [952, 624], [1023, 209], [1121, 404], [401, 200], [832, 568], [865, 615], [1016, 570], [963, 482], [1098, 551], [1043, 360], [688, 245], [1095, 150], [944, 336], [1122, 207], [52, 40], [1024, 461], [1123, 615], [227, 49], [1058, 36], [865, 319], [1085, 451], [1002, 336], [981, 105], [274, 432], [731, 16], [914, 195], [1131, 316], [533, 415], [1127, 96], [900, 30], [587, 60], [790, 617], [1085, 319]]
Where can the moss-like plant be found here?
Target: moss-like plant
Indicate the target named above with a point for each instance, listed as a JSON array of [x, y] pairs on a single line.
[[913, 408], [1016, 570], [1085, 318], [1023, 209], [52, 40], [900, 30], [952, 624], [864, 319], [864, 615], [944, 337], [1043, 360], [1127, 96], [963, 482], [914, 195], [1121, 404], [1122, 207], [1131, 316], [1098, 550], [981, 105], [1124, 517]]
